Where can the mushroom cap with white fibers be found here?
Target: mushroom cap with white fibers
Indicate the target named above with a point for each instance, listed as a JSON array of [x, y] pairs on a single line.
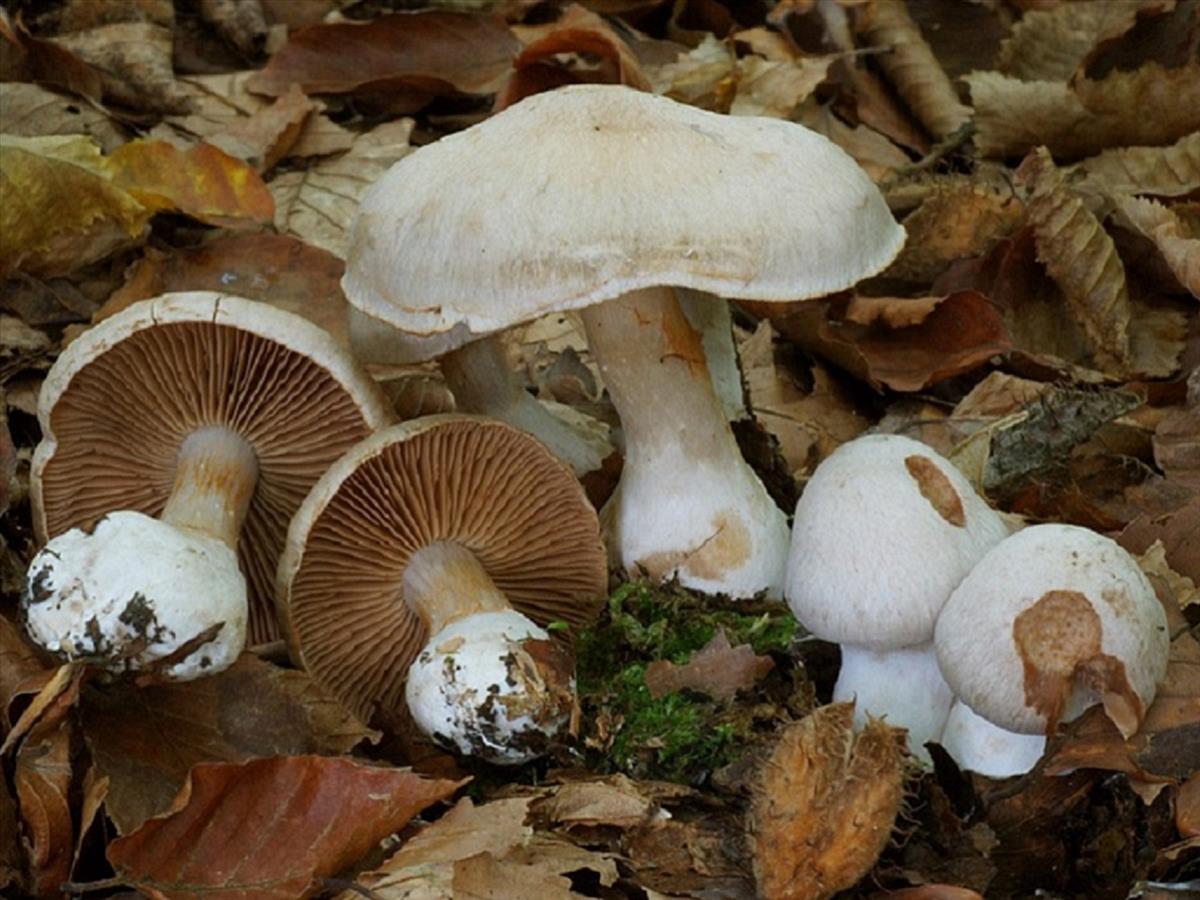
[[452, 479], [135, 590], [581, 194], [124, 396], [1056, 618], [979, 746], [475, 688], [884, 531]]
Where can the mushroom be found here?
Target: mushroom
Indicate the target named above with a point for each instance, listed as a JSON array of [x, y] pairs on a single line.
[[422, 572], [606, 199], [1053, 620], [214, 413], [884, 531], [979, 746]]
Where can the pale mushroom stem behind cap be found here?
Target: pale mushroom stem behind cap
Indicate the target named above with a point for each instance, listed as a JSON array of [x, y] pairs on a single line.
[[215, 474]]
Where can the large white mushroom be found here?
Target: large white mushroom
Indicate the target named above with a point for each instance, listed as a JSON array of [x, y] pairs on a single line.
[[606, 199], [884, 531], [421, 572], [1051, 621], [178, 438]]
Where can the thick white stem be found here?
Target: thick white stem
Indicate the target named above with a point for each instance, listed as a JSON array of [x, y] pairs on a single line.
[[710, 316], [215, 474], [979, 746], [903, 686], [445, 582], [687, 505]]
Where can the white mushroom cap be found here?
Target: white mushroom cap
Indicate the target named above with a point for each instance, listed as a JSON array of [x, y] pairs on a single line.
[[135, 590], [1053, 620], [584, 193], [885, 529], [476, 688], [979, 746]]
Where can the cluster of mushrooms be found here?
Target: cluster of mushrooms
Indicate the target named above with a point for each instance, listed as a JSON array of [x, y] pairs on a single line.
[[215, 471]]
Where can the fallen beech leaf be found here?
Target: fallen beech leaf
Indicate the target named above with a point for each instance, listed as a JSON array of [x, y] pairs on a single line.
[[878, 156], [1177, 445], [912, 67], [33, 111], [826, 804], [269, 134], [18, 662], [145, 740], [1080, 257], [1174, 588], [134, 62], [1050, 44], [704, 76], [203, 182], [962, 332], [1177, 525], [1170, 171], [616, 801], [269, 828], [776, 88], [240, 23], [317, 204], [929, 892], [1150, 105], [893, 312], [716, 669], [1187, 807], [11, 856], [58, 208], [274, 268], [578, 31], [1179, 248], [424, 53], [42, 778], [45, 62]]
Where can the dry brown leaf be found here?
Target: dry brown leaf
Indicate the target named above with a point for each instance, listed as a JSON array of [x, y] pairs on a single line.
[[1172, 519], [826, 804], [419, 55], [11, 851], [274, 268], [1187, 807], [42, 61], [809, 425], [1151, 106], [960, 220], [134, 62], [241, 22], [18, 663], [877, 155], [892, 312], [145, 740], [615, 801], [269, 828], [58, 207], [1080, 257], [704, 76], [1177, 445], [33, 111], [1162, 171], [912, 67], [42, 777], [1179, 248], [269, 134], [716, 669], [1050, 44], [929, 892], [317, 204], [776, 88], [1173, 587]]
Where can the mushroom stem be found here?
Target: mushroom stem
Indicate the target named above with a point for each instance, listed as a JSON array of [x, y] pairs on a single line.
[[712, 318], [979, 746], [445, 582], [216, 471], [905, 686], [688, 504], [482, 382]]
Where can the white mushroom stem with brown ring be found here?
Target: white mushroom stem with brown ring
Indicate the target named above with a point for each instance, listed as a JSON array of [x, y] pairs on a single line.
[[176, 436], [409, 573], [688, 504]]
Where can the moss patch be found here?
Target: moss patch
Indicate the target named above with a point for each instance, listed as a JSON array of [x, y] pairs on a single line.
[[682, 736]]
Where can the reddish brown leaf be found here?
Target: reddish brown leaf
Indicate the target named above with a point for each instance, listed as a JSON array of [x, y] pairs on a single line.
[[277, 269], [425, 53], [18, 663], [717, 669], [269, 828], [11, 857], [42, 777], [1187, 807], [203, 182], [45, 62], [929, 892], [144, 740]]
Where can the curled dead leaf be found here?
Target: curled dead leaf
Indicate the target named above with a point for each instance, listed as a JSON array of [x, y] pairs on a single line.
[[1178, 246], [716, 669], [1170, 171], [1051, 44], [134, 62], [826, 804]]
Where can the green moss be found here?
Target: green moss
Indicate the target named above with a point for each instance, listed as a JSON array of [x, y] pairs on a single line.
[[682, 736]]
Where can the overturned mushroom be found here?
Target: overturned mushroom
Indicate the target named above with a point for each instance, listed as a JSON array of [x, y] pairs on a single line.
[[605, 199], [1051, 621], [213, 413], [423, 569], [884, 531]]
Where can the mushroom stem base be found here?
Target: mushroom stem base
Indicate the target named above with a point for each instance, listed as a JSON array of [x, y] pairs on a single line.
[[215, 475], [445, 582]]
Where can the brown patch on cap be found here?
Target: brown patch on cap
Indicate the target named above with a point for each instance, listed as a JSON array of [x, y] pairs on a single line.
[[937, 489], [727, 549], [1059, 640]]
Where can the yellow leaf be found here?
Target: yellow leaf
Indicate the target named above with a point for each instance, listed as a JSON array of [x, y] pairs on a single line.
[[202, 182], [58, 208]]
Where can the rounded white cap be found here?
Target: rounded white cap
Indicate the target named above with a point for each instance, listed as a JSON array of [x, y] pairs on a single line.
[[480, 687], [884, 531], [135, 590], [1053, 620], [578, 195]]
